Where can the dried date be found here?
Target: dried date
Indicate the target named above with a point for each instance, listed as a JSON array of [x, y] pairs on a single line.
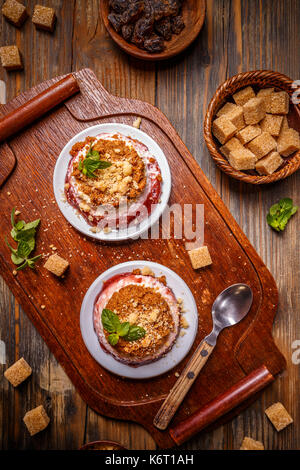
[[177, 24], [154, 44], [127, 31], [163, 28]]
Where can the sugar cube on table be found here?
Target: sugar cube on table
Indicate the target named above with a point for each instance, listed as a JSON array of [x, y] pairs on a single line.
[[11, 58], [14, 12], [200, 257], [278, 416], [36, 420], [280, 102], [241, 97], [226, 108], [44, 18], [254, 110], [269, 164], [242, 159], [250, 444], [56, 265], [223, 129], [248, 133], [232, 144], [288, 142], [18, 372], [262, 145], [265, 94]]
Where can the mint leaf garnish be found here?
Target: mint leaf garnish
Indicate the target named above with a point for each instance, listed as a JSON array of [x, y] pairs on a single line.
[[111, 323], [135, 332], [91, 163]]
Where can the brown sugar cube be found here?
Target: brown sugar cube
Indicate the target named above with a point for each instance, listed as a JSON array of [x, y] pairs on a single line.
[[278, 416], [226, 109], [56, 265], [241, 97], [14, 12], [272, 124], [44, 18], [250, 444], [232, 144], [248, 133], [280, 102], [262, 145], [242, 159], [18, 372], [236, 116], [265, 94], [285, 124], [269, 164], [11, 58], [36, 420], [223, 129], [200, 257], [254, 110], [288, 142]]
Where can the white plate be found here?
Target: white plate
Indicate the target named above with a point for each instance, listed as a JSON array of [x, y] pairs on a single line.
[[180, 348], [70, 213]]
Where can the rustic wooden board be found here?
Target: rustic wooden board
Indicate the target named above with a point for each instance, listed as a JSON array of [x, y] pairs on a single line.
[[239, 351]]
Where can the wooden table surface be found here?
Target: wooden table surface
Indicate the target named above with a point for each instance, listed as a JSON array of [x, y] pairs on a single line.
[[239, 35]]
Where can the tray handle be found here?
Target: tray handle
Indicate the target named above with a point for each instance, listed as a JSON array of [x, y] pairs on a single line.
[[33, 109], [227, 401]]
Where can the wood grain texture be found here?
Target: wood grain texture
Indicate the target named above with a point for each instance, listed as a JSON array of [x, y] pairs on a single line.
[[238, 35]]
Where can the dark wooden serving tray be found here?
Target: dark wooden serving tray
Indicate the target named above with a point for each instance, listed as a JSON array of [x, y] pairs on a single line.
[[240, 351]]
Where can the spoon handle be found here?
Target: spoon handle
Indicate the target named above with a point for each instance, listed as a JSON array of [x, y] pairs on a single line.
[[182, 385]]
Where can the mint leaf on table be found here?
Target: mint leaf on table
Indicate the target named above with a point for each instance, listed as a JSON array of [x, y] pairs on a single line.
[[23, 250], [24, 234], [280, 213], [91, 163], [111, 323]]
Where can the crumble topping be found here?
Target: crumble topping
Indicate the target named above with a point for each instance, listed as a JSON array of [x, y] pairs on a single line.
[[126, 177], [145, 307]]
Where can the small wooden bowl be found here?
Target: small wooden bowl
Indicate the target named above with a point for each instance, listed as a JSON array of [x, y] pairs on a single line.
[[193, 14], [102, 445], [257, 79]]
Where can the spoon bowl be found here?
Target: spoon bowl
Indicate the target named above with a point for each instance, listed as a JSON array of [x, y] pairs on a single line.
[[232, 305]]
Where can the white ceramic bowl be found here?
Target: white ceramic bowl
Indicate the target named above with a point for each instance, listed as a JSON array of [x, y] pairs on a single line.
[[180, 348], [78, 221]]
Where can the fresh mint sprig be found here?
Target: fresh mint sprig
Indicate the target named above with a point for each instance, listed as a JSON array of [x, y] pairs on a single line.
[[91, 163], [111, 323], [280, 213], [24, 235]]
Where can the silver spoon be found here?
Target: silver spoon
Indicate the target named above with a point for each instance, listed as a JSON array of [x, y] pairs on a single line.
[[229, 308]]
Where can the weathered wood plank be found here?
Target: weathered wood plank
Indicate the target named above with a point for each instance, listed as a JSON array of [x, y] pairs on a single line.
[[44, 55]]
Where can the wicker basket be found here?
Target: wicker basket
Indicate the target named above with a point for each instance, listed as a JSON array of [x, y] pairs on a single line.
[[261, 79]]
